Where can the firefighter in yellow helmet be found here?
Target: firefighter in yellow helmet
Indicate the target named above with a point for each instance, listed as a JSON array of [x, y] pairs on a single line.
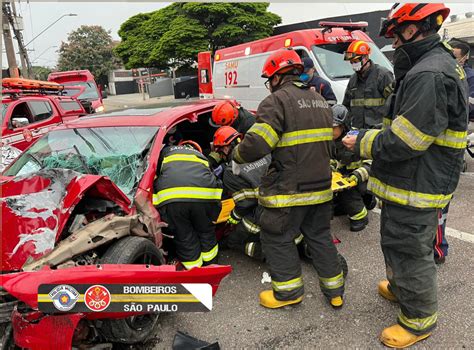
[[417, 160], [367, 89]]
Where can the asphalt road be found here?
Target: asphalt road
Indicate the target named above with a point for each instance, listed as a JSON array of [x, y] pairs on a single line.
[[239, 322]]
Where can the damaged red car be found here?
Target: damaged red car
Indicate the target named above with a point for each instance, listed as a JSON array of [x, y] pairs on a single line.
[[77, 209]]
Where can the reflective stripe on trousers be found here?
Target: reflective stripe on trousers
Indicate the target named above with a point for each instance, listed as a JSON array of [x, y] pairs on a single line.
[[211, 254], [287, 286]]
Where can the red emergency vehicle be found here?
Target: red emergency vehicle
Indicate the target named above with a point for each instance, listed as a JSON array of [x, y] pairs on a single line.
[[235, 71], [31, 107], [82, 78]]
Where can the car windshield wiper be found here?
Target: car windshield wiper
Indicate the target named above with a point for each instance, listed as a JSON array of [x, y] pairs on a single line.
[[342, 76], [81, 159]]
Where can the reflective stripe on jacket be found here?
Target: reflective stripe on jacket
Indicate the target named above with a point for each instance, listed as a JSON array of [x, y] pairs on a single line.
[[294, 124], [185, 177], [417, 157]]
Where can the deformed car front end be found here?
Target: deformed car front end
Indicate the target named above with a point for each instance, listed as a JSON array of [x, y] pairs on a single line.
[[76, 209]]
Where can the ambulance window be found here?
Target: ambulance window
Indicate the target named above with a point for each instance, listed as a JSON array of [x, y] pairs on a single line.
[[41, 110], [302, 53], [204, 76]]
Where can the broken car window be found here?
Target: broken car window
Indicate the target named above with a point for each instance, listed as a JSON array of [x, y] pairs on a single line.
[[116, 152]]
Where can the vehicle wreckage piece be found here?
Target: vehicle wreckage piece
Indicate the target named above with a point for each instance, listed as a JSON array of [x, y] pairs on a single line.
[[36, 330], [93, 235]]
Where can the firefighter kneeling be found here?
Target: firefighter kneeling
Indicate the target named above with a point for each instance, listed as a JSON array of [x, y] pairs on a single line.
[[353, 201], [294, 124], [188, 196], [242, 183]]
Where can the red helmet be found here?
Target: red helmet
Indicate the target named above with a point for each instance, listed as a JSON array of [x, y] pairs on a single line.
[[282, 61], [356, 49], [225, 135], [191, 143], [413, 12], [225, 113]]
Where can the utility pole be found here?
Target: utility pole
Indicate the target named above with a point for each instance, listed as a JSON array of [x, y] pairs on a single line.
[[12, 19], [9, 48]]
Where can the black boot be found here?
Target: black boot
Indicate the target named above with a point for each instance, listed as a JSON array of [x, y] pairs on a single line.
[[359, 225]]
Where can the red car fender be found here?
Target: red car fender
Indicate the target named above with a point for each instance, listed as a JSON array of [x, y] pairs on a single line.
[[37, 331], [15, 252]]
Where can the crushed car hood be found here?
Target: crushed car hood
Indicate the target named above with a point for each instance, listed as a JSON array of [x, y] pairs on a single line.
[[37, 206]]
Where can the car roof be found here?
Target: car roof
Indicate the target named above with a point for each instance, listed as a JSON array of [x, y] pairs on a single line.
[[142, 117]]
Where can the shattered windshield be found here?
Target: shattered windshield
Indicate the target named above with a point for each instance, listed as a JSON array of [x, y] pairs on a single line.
[[331, 59], [116, 152]]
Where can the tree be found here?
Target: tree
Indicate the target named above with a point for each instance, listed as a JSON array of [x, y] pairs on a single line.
[[174, 35], [41, 73], [89, 47]]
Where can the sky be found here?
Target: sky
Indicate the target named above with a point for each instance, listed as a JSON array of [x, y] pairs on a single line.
[[39, 15]]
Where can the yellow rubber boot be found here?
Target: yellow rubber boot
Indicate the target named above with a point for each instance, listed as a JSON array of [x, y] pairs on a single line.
[[385, 292], [336, 302], [268, 300], [398, 337]]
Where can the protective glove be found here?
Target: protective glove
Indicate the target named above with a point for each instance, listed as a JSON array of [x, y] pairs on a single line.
[[334, 164], [236, 168], [218, 171], [353, 178], [233, 219]]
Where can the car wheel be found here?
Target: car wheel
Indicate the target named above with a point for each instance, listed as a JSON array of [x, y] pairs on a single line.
[[131, 250]]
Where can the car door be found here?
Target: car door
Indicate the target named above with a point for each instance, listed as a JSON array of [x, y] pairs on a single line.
[[41, 116]]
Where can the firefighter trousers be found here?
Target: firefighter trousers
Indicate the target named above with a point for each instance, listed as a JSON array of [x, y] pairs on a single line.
[[248, 243], [279, 228], [193, 230], [352, 203], [407, 243]]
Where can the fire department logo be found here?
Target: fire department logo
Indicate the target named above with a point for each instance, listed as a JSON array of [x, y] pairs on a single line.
[[64, 297], [97, 298], [27, 135]]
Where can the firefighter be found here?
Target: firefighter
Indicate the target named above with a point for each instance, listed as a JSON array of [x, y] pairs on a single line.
[[233, 114], [367, 89], [294, 125], [461, 51], [350, 201], [229, 113], [243, 185], [417, 160], [318, 84], [243, 188], [188, 196]]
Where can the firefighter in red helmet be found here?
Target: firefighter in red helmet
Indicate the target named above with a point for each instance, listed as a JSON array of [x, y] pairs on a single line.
[[417, 160], [294, 125], [229, 113]]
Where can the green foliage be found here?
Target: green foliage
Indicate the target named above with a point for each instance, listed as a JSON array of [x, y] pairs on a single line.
[[174, 35], [41, 73], [89, 47]]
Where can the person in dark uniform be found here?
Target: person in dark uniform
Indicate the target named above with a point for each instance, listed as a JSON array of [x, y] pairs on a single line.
[[318, 84], [187, 195]]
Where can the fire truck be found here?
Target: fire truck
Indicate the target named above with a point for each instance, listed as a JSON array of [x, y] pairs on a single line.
[[234, 72]]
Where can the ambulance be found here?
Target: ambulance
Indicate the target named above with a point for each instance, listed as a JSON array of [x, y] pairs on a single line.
[[234, 72]]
